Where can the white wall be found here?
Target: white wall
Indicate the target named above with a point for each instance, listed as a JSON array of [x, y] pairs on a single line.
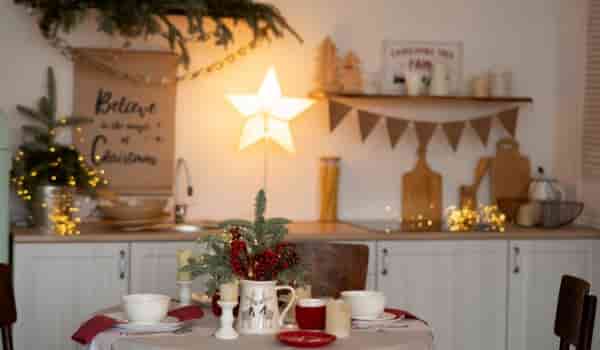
[[522, 35]]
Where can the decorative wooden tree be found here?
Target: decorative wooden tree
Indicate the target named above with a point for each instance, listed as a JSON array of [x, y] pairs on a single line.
[[327, 71], [351, 74]]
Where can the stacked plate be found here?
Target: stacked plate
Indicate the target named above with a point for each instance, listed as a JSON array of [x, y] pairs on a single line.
[[389, 319], [169, 324]]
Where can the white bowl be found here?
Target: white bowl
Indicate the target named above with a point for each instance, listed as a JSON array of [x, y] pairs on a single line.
[[146, 308], [365, 304]]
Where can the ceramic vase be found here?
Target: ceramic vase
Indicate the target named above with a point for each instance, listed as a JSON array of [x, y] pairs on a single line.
[[259, 309]]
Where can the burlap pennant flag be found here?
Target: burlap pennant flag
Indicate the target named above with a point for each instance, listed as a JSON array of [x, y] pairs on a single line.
[[367, 122], [453, 131], [509, 120], [337, 113], [425, 131], [482, 127], [395, 128]]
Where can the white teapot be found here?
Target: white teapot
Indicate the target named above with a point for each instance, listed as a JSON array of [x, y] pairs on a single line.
[[543, 188]]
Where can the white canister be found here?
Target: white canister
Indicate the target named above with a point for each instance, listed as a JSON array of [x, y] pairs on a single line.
[[439, 80], [500, 83], [414, 83]]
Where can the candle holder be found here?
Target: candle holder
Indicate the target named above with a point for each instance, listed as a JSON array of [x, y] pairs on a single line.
[[185, 292], [226, 331]]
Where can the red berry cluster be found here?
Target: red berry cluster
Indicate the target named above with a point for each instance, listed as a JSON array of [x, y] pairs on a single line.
[[265, 265], [287, 255], [239, 257], [236, 233]]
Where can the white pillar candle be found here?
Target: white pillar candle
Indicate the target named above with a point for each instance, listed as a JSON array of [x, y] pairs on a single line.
[[338, 319], [183, 257], [481, 86], [229, 292]]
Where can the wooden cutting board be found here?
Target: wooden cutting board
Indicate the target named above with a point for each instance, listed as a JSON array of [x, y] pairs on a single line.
[[468, 193], [422, 192], [510, 171]]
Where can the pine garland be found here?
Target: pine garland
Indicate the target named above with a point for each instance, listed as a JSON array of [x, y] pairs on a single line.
[[146, 18]]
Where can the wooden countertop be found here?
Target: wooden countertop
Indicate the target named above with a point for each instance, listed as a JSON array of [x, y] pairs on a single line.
[[306, 231]]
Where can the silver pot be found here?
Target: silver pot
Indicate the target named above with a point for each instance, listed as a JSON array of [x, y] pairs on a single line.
[[50, 200], [543, 188]]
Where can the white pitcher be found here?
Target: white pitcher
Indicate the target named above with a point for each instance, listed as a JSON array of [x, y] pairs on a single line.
[[259, 309]]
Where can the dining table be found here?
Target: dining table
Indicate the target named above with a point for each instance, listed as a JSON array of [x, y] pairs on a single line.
[[199, 334]]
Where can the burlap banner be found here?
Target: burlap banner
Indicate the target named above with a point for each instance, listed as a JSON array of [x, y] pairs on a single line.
[[396, 127], [366, 123]]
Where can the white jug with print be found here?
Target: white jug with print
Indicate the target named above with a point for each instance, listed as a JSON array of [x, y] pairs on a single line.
[[259, 307]]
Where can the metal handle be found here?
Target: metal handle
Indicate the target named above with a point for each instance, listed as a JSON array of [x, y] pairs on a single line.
[[516, 267], [122, 264], [384, 268]]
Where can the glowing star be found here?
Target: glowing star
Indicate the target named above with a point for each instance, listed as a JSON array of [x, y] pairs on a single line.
[[268, 113]]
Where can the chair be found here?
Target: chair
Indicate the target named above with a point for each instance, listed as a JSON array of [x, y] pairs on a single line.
[[8, 316], [575, 314], [333, 268]]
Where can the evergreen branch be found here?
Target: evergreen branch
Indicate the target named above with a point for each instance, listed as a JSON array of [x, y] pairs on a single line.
[[51, 95], [32, 114]]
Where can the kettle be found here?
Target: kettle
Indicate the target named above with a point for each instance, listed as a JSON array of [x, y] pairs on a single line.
[[543, 188]]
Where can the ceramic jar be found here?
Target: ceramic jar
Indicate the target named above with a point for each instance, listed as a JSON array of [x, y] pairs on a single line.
[[259, 309]]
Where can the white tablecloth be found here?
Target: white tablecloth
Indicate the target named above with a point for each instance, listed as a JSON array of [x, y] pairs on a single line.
[[417, 336]]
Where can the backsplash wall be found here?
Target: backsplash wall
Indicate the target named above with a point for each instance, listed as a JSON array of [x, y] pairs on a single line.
[[521, 35]]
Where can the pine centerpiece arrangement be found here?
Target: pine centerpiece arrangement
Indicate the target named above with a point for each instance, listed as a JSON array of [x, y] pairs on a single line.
[[45, 173], [249, 251]]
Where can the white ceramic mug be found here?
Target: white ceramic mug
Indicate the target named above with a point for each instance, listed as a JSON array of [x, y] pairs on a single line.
[[365, 304]]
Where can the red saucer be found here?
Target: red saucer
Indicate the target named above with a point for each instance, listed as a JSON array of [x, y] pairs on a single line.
[[306, 339]]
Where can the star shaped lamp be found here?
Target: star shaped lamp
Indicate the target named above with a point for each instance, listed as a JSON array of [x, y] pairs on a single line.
[[268, 113]]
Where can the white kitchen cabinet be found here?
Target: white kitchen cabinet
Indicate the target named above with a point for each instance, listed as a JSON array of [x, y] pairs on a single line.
[[459, 287], [154, 267], [58, 286], [536, 268]]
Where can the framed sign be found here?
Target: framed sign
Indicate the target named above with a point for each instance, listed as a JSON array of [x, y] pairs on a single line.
[[400, 57], [132, 135]]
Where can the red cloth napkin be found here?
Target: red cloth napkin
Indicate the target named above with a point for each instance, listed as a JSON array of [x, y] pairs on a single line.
[[97, 324], [186, 313], [402, 313], [100, 323]]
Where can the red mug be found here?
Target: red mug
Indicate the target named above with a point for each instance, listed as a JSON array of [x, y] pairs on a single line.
[[310, 313]]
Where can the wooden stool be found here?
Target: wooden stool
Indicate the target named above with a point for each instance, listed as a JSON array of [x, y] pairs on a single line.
[[8, 316], [333, 268]]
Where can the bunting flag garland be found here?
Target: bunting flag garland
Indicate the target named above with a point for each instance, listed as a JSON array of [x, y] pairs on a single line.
[[425, 132], [396, 128], [367, 122], [508, 119], [337, 113], [453, 131], [482, 127]]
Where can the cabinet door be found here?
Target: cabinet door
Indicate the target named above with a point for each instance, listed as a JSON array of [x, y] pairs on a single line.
[[458, 287], [58, 286], [154, 267], [536, 268]]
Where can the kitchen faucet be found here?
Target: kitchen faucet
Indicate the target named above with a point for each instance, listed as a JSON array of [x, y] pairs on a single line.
[[180, 206]]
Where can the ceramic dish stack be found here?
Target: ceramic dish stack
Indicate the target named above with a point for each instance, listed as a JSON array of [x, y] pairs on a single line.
[[368, 310], [146, 313]]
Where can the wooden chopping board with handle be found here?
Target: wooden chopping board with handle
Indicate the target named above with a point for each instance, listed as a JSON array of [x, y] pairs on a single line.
[[468, 193], [422, 192], [510, 171]]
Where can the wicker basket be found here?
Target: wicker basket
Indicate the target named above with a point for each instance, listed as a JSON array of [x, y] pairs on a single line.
[[554, 214]]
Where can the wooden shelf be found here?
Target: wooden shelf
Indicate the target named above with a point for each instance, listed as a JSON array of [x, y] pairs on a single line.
[[516, 99]]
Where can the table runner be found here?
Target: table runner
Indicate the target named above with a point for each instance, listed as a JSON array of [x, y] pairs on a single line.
[[417, 336]]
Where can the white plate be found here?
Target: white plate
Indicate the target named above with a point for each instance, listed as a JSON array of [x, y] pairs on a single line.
[[386, 316], [169, 324]]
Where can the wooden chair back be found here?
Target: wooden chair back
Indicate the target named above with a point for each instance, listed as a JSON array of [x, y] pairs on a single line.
[[8, 316], [333, 268], [574, 313]]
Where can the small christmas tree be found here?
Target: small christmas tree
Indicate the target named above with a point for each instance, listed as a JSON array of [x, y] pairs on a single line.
[[351, 74], [327, 71]]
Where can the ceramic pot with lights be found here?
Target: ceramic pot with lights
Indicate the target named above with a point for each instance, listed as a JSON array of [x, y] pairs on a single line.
[[49, 201]]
